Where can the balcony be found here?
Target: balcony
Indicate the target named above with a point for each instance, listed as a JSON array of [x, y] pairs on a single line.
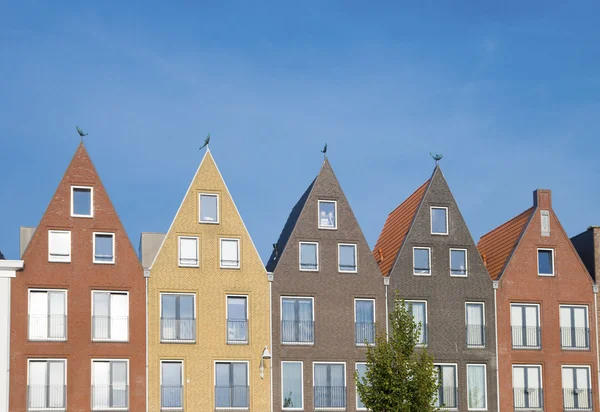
[[475, 336], [526, 337], [232, 397], [47, 327], [364, 333], [46, 397], [330, 397], [109, 397], [171, 397], [237, 331], [528, 398], [297, 332], [110, 328], [177, 330], [574, 338], [577, 399], [447, 397]]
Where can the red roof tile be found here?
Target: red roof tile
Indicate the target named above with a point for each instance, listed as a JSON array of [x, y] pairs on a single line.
[[497, 246], [395, 230]]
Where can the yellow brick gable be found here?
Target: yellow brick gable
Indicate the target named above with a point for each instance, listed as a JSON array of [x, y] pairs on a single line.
[[211, 285]]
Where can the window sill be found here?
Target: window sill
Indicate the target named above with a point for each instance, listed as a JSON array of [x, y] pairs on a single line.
[[568, 348], [109, 341], [103, 263], [208, 222], [298, 343], [182, 341], [84, 216], [59, 261], [309, 270], [241, 342], [188, 266], [47, 340], [422, 274]]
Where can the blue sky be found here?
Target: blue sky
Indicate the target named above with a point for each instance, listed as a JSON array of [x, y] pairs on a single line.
[[508, 92]]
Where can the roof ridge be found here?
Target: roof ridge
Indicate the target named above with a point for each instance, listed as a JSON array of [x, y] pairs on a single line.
[[409, 196], [528, 210]]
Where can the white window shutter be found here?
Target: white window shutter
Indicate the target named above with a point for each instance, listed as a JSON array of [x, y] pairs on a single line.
[[229, 252], [60, 246], [188, 251]]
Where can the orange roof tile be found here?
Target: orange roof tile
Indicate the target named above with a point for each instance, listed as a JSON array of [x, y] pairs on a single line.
[[395, 230], [497, 246]]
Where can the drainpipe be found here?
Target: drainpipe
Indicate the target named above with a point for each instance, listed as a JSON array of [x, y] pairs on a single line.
[[8, 346], [495, 285], [270, 279], [595, 290], [147, 275], [386, 282]]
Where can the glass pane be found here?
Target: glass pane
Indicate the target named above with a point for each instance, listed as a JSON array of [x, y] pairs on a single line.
[[421, 260], [321, 375], [288, 309], [222, 375], [171, 373], [37, 384], [438, 221], [308, 256], [186, 307], [56, 389], [104, 248], [101, 385], [208, 208], [327, 214], [361, 369], [365, 311], [292, 385], [119, 316], [347, 257], [545, 262], [236, 308], [305, 310], [223, 393], [171, 390], [169, 306], [458, 262], [476, 386], [82, 202]]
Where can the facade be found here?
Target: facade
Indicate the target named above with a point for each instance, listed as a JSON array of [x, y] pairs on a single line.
[[587, 245], [430, 258], [8, 270], [546, 308], [77, 339], [208, 306], [328, 301]]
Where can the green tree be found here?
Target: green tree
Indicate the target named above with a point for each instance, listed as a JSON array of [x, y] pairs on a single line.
[[399, 378]]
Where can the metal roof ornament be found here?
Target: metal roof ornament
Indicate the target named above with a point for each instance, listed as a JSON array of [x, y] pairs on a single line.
[[437, 157], [206, 142]]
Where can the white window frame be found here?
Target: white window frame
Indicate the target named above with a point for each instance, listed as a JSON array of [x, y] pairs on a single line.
[[247, 380], [590, 378], [587, 319], [484, 386], [521, 365], [193, 295], [64, 360], [29, 313], [50, 256], [466, 261], [413, 260], [281, 319], [374, 315], [539, 309], [179, 263], [355, 257], [345, 383], [239, 247], [300, 256], [553, 261], [233, 295], [182, 383], [200, 208], [128, 385], [91, 188], [455, 381], [335, 226], [114, 241], [301, 386], [357, 396], [425, 344], [110, 292], [482, 304], [431, 220]]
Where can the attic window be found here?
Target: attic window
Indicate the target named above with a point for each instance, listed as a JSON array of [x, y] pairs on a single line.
[[208, 208], [82, 201], [546, 262], [439, 220], [327, 214]]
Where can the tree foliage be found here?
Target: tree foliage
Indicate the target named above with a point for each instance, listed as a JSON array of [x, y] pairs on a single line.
[[399, 378]]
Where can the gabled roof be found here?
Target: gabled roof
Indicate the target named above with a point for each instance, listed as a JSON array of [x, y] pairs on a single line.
[[396, 228], [496, 247], [2, 256]]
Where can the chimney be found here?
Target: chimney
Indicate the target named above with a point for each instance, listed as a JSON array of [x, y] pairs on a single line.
[[26, 233], [542, 198]]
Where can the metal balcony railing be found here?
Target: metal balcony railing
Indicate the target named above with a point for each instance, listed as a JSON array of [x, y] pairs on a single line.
[[232, 397], [297, 331], [528, 398], [574, 338], [475, 336], [526, 337], [47, 327], [328, 397], [577, 399], [177, 330], [171, 397], [114, 328], [237, 331], [364, 333], [447, 397], [47, 397], [106, 397]]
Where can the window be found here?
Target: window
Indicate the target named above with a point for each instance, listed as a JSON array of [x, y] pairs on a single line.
[[525, 325], [231, 385], [439, 220], [237, 319], [292, 388], [577, 389], [171, 385], [527, 387], [47, 315], [209, 208], [46, 384], [347, 258], [458, 262], [574, 331], [104, 248], [110, 316], [178, 317], [110, 384], [447, 396], [188, 251], [230, 253], [361, 370], [546, 262], [329, 385], [545, 221], [59, 246], [327, 214], [364, 318], [82, 201], [476, 387], [475, 319], [309, 256], [297, 321], [419, 311], [421, 261]]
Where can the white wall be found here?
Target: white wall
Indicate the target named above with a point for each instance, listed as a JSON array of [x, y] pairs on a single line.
[[8, 270]]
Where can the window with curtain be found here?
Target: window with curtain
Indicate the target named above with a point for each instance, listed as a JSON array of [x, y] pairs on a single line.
[[59, 246], [110, 316], [365, 321], [577, 393], [361, 370], [209, 208], [81, 198], [104, 246], [188, 251], [419, 311], [171, 387], [475, 324], [46, 386], [230, 253], [309, 256], [458, 262], [329, 385], [178, 318], [291, 389], [476, 387], [527, 387], [237, 319], [421, 261], [448, 389], [47, 315], [297, 321], [574, 331], [327, 214], [439, 221], [109, 385], [525, 325], [231, 385], [347, 258]]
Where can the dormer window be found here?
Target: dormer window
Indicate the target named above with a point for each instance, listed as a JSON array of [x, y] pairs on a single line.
[[82, 201], [208, 208], [327, 214], [439, 220]]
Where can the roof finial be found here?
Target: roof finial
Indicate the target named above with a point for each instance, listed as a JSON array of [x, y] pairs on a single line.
[[324, 151], [206, 141], [81, 134], [436, 157]]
